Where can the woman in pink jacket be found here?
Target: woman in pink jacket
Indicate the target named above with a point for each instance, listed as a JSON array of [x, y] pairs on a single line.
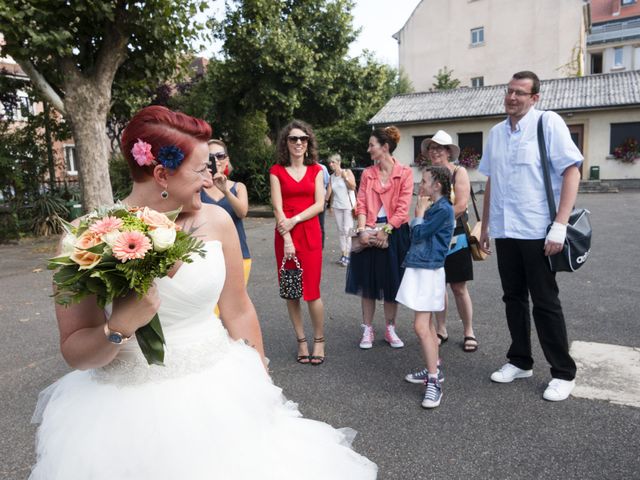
[[382, 207]]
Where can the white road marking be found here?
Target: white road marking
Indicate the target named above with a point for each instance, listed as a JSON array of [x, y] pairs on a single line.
[[607, 372]]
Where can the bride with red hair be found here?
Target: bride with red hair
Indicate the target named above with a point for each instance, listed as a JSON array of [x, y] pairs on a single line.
[[212, 411]]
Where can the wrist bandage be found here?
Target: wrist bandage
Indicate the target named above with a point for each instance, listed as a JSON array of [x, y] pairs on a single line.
[[557, 233]]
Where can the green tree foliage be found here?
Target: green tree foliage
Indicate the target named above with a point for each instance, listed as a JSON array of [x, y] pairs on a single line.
[[281, 55], [445, 80], [285, 59], [76, 52]]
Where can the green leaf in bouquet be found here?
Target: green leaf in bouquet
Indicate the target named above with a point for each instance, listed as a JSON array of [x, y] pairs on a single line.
[[97, 249], [56, 262], [117, 285], [96, 285], [151, 341], [68, 227], [68, 274]]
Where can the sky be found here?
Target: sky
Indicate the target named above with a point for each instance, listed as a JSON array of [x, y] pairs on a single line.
[[378, 19]]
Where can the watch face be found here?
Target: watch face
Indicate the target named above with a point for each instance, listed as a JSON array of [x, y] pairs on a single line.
[[115, 337]]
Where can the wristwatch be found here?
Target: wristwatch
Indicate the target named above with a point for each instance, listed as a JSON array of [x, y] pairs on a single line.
[[114, 337]]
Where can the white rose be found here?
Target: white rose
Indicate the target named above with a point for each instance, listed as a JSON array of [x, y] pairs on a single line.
[[110, 238], [162, 238], [68, 244]]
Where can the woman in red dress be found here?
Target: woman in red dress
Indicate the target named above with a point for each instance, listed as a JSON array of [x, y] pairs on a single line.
[[297, 196]]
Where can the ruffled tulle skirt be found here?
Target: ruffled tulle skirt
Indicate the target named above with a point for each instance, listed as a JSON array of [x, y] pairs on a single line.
[[376, 273], [222, 421]]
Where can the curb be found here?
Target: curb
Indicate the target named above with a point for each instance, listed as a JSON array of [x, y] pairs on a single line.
[[260, 211]]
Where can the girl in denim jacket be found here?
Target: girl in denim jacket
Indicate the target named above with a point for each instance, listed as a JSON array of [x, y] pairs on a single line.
[[423, 285]]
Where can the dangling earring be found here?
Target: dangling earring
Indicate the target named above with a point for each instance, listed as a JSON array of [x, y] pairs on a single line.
[[164, 195], [306, 154]]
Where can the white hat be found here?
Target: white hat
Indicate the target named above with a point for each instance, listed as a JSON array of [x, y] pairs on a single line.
[[442, 138]]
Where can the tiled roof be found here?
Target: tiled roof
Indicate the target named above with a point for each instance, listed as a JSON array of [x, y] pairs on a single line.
[[561, 94]]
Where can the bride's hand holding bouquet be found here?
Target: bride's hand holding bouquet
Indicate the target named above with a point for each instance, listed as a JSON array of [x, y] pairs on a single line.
[[117, 253]]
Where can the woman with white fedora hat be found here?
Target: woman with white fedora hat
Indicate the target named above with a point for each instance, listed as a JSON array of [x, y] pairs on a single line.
[[441, 150]]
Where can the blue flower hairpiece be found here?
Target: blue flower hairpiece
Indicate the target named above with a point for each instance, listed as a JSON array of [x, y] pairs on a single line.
[[170, 157]]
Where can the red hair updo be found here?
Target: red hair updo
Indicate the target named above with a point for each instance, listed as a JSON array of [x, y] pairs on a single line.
[[161, 127]]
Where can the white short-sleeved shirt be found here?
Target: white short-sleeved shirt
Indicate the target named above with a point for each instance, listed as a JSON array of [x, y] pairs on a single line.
[[511, 160]]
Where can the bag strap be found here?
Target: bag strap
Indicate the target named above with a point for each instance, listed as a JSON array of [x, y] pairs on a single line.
[[544, 160], [284, 260], [475, 206]]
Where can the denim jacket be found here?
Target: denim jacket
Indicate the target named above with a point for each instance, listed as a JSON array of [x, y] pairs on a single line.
[[430, 237]]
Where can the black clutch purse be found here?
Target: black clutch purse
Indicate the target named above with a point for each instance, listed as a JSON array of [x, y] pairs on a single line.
[[290, 280]]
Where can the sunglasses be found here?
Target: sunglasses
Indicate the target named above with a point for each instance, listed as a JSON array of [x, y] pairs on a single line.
[[217, 156], [294, 139]]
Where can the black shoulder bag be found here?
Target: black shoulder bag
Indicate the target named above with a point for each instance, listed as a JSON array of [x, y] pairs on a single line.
[[577, 244]]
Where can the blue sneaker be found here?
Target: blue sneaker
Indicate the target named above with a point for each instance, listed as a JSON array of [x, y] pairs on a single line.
[[420, 375], [432, 394]]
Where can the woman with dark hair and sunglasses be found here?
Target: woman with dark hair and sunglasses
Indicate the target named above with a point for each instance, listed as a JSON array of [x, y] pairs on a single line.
[[297, 196], [230, 195]]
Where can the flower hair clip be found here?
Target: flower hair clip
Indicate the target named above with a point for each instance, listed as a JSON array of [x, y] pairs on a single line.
[[170, 157], [141, 153]]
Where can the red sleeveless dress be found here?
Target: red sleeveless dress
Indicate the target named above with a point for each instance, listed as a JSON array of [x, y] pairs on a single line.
[[306, 236]]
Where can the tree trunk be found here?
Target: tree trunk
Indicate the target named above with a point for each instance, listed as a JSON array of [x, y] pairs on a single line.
[[47, 136], [87, 108]]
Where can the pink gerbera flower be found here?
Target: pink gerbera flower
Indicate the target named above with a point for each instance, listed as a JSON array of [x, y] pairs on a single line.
[[131, 245], [141, 153], [105, 225]]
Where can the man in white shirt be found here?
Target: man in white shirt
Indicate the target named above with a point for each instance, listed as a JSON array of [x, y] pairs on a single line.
[[516, 215]]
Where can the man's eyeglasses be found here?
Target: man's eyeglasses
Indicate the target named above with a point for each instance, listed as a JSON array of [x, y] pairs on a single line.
[[518, 93], [294, 139], [217, 156]]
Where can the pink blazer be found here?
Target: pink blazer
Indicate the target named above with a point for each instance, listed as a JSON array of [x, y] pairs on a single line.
[[395, 195]]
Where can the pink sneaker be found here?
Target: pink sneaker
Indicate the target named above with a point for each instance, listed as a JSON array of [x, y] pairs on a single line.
[[392, 337], [367, 337]]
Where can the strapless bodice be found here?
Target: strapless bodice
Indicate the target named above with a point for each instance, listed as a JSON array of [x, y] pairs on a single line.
[[194, 335]]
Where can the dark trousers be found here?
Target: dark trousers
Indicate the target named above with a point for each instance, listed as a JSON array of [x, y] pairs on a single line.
[[524, 271]]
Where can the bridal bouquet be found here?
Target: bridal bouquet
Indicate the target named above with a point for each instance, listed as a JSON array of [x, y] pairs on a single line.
[[118, 249]]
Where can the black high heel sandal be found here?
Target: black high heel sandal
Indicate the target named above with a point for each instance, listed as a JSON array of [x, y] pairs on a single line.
[[303, 359], [317, 359]]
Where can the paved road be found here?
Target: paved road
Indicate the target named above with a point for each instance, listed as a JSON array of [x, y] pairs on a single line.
[[481, 430]]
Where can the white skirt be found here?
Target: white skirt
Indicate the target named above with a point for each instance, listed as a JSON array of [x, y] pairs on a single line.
[[422, 289], [223, 421]]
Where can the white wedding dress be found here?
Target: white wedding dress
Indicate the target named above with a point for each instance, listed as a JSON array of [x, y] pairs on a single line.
[[211, 413]]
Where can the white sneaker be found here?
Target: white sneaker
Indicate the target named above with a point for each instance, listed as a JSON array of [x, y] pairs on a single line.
[[392, 338], [367, 337], [508, 373], [558, 390]]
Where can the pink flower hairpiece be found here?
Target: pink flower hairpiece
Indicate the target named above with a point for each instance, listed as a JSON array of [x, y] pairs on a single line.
[[141, 152]]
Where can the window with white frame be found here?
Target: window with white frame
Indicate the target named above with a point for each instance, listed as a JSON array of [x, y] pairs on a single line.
[[477, 36], [477, 82], [628, 2], [24, 108], [622, 132], [617, 57], [20, 110], [70, 159]]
